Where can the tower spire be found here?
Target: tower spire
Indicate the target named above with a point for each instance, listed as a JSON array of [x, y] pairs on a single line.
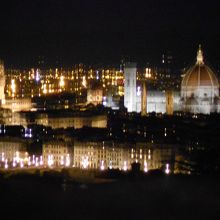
[[199, 56]]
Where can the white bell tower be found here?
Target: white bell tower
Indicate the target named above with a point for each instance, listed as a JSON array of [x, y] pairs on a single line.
[[130, 94]]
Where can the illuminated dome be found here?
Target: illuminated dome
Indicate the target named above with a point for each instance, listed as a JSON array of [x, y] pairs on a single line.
[[199, 77], [199, 85]]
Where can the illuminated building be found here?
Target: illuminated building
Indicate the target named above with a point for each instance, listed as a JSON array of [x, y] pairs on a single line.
[[130, 92], [121, 155], [200, 88], [36, 83], [95, 95], [99, 153], [58, 151], [57, 119], [17, 105], [11, 148], [139, 98], [13, 103]]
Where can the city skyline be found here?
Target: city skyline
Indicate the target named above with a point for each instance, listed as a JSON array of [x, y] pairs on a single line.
[[68, 32]]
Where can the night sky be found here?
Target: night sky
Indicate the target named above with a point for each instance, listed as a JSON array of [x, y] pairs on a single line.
[[68, 32]]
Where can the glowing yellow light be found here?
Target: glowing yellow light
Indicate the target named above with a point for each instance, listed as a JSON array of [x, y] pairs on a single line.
[[84, 81], [45, 88], [62, 83], [13, 87], [148, 73]]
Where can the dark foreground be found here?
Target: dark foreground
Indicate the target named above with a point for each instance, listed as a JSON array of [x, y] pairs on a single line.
[[163, 197]]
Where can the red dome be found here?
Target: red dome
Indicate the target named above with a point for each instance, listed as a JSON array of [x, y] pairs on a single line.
[[200, 74]]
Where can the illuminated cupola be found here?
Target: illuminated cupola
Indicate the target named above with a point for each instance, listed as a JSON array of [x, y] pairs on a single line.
[[199, 86]]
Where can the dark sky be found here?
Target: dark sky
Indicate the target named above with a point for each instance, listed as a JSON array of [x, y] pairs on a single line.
[[104, 31]]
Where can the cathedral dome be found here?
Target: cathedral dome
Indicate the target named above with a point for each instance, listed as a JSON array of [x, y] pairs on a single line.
[[199, 80]]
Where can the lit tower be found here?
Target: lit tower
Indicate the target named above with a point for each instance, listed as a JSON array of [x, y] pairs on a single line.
[[2, 82], [130, 70], [169, 102], [144, 99]]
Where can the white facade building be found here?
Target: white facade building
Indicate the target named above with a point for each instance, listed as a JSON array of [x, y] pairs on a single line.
[[130, 97]]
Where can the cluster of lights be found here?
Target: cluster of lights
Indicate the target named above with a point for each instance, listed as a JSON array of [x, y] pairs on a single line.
[[64, 161], [28, 132], [13, 87], [20, 162], [84, 83], [62, 83], [148, 73], [33, 161]]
